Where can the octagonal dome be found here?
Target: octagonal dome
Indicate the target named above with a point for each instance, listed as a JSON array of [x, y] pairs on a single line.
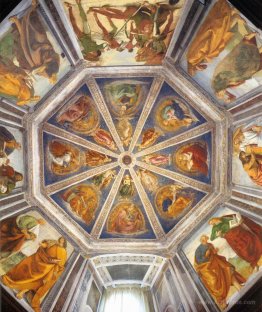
[[125, 159], [130, 146]]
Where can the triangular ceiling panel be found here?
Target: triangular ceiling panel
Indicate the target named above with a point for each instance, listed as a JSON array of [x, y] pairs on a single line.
[[170, 200], [84, 201], [127, 217]]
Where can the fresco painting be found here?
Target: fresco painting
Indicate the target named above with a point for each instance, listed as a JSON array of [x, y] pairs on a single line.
[[170, 200], [123, 32], [64, 159], [247, 154], [226, 254], [170, 115], [81, 116], [28, 243], [191, 158], [84, 201], [11, 160], [125, 98], [224, 56], [31, 61], [127, 217]]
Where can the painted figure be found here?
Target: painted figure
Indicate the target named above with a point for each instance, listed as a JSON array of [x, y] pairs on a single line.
[[80, 116], [83, 201], [126, 218], [248, 138], [93, 158], [8, 179], [16, 83], [148, 180], [157, 159], [34, 50], [15, 231], [27, 45], [243, 235], [252, 164], [65, 158], [39, 272], [103, 180], [124, 96], [149, 137], [104, 138], [237, 67], [192, 158], [8, 142], [142, 24], [247, 144], [125, 131], [171, 201], [216, 273], [213, 36], [90, 49], [172, 114], [224, 30], [127, 188]]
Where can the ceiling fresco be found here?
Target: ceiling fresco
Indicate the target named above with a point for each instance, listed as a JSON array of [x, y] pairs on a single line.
[[126, 178], [123, 32], [224, 57], [29, 68], [130, 127]]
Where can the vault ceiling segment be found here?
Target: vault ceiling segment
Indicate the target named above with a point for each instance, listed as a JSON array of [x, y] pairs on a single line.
[[50, 189], [101, 219], [71, 137], [148, 207], [97, 96], [188, 134], [155, 89], [176, 177]]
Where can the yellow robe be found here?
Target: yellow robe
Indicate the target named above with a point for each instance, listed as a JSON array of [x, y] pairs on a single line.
[[14, 85], [212, 36], [37, 272]]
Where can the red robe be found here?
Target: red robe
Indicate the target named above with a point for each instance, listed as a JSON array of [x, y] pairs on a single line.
[[246, 240], [11, 237], [199, 157]]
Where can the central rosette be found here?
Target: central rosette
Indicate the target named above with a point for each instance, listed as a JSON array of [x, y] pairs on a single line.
[[127, 160]]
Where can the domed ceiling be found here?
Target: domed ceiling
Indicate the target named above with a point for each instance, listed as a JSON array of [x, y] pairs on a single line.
[[126, 127], [121, 153], [123, 159]]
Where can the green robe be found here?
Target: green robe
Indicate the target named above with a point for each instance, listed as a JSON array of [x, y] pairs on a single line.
[[222, 227]]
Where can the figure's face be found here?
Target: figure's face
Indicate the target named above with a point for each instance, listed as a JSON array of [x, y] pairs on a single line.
[[3, 189], [238, 140], [213, 222], [73, 113], [204, 239], [146, 27], [170, 114], [61, 241], [182, 157]]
